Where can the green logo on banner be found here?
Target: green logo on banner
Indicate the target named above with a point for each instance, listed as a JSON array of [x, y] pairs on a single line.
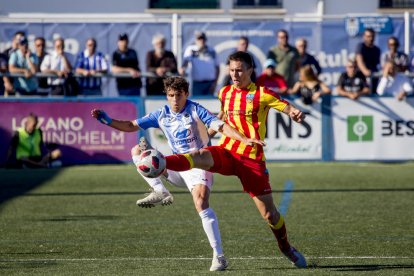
[[360, 128]]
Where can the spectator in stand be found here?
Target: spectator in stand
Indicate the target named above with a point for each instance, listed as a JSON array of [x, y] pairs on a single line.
[[352, 83], [305, 58], [91, 64], [8, 81], [40, 51], [400, 59], [22, 61], [57, 63], [309, 87], [394, 83], [3, 70], [270, 79], [204, 66], [368, 57], [242, 46], [27, 149], [286, 57], [161, 63], [125, 60]]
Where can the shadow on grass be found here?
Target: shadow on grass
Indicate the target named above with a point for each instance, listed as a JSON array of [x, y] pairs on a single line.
[[368, 267], [79, 218], [373, 190]]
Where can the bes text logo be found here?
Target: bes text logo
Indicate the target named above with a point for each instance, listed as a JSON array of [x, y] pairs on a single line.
[[360, 128]]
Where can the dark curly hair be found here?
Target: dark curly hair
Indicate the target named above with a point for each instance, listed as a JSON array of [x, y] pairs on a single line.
[[176, 84]]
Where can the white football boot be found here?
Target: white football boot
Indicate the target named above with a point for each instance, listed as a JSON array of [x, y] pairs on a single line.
[[219, 263], [155, 198]]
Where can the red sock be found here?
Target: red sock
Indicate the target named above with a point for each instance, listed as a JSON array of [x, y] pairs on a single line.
[[279, 230], [178, 162]]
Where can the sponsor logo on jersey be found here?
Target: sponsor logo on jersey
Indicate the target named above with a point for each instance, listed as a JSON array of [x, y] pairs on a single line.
[[182, 133], [184, 141]]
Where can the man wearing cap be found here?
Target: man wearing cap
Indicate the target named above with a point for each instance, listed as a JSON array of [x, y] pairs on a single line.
[[125, 60], [270, 79], [204, 65], [22, 61]]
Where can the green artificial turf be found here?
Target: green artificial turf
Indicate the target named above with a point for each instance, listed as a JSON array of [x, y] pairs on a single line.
[[346, 218]]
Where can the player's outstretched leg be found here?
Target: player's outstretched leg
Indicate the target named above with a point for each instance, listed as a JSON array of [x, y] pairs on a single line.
[[159, 195]]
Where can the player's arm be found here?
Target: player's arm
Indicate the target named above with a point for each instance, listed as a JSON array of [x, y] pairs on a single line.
[[126, 126], [235, 134], [294, 113]]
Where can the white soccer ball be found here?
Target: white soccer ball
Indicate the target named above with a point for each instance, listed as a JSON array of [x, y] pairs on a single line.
[[152, 163]]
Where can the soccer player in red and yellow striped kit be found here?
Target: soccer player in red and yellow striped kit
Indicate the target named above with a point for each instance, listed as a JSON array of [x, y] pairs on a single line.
[[245, 107]]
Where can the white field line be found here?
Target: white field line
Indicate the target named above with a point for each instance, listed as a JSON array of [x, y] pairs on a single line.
[[195, 258]]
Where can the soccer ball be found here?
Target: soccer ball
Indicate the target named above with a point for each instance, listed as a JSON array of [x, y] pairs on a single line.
[[152, 163]]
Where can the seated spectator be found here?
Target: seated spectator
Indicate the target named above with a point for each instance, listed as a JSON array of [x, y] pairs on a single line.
[[26, 147], [394, 83], [270, 79], [161, 63], [242, 46], [125, 60], [24, 62], [204, 65], [91, 64], [400, 59], [3, 69], [40, 51], [308, 86], [57, 63], [352, 83], [8, 81], [305, 58]]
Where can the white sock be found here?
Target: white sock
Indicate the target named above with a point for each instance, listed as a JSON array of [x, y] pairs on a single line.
[[154, 183], [210, 225]]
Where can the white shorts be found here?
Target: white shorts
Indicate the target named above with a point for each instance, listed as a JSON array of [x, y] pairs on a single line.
[[190, 178]]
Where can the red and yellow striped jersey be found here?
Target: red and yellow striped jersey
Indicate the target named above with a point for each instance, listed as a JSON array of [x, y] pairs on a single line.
[[246, 110]]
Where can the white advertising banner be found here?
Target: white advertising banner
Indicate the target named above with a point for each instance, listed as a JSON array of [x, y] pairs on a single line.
[[286, 140], [373, 129]]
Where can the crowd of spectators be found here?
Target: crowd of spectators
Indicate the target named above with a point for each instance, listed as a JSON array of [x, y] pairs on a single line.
[[288, 69]]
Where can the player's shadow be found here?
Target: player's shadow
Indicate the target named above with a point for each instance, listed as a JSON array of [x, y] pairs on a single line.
[[17, 182], [367, 267]]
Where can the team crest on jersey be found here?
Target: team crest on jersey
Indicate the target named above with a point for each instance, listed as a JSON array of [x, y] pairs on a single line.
[[187, 118], [249, 98], [166, 121]]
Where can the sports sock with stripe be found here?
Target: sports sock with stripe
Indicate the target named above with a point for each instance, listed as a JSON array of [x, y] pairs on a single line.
[[279, 230], [179, 162]]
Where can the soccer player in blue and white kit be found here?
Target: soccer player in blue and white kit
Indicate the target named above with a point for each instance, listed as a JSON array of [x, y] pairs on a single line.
[[185, 124]]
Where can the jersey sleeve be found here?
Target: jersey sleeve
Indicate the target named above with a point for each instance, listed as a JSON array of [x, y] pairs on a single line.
[[273, 100], [150, 120], [208, 119]]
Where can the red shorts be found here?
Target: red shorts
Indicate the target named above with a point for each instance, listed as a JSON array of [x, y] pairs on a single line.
[[253, 174]]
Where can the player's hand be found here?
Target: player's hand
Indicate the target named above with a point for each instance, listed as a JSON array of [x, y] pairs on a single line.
[[252, 141], [297, 115], [101, 116]]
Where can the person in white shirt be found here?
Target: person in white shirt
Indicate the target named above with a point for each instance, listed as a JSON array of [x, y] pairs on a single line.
[[57, 63], [204, 65], [394, 83]]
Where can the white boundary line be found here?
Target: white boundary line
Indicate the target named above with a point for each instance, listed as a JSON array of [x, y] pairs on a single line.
[[197, 258]]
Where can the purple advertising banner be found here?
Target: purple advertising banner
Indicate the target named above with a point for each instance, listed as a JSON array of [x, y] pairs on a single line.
[[81, 138]]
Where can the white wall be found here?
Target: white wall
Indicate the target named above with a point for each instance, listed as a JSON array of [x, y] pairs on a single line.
[[138, 6], [72, 6], [349, 6]]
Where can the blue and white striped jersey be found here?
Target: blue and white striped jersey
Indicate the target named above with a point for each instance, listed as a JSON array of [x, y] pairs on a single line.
[[186, 131]]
